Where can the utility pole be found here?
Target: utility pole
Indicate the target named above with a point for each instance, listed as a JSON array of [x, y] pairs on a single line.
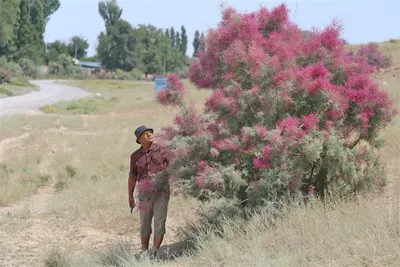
[[76, 49]]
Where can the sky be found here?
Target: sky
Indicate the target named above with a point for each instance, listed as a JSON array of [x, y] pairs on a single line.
[[363, 20]]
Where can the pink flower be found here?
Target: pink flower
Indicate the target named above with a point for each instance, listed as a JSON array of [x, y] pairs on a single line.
[[261, 131], [202, 165], [173, 95], [310, 121], [289, 125], [260, 164]]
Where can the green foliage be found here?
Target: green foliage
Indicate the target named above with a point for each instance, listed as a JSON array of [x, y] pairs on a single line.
[[145, 48], [55, 68], [55, 49], [50, 7], [196, 43], [9, 13], [28, 67], [81, 106], [110, 12], [22, 27], [14, 69], [134, 74], [119, 47], [78, 45], [32, 26], [184, 41], [63, 66]]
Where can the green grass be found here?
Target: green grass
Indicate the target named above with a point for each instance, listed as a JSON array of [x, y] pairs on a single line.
[[18, 86], [117, 96], [82, 106]]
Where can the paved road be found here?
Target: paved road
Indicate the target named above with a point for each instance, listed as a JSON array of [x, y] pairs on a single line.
[[49, 93]]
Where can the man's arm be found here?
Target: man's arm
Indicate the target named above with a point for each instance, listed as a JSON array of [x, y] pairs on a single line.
[[131, 189], [132, 182]]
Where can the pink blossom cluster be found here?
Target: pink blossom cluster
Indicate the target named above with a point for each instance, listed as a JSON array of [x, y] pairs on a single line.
[[208, 176], [173, 95], [374, 56]]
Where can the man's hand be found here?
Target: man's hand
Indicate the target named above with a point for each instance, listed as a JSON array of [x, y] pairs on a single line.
[[131, 202]]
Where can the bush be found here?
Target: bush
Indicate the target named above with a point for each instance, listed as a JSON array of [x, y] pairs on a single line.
[[5, 76], [28, 67], [374, 56], [289, 116], [3, 61], [122, 75], [80, 74], [66, 63], [14, 69], [56, 68]]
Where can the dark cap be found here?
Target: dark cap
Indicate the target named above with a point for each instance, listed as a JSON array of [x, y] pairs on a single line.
[[140, 130]]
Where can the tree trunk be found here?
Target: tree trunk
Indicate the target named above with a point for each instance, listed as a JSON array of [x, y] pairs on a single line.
[[321, 181]]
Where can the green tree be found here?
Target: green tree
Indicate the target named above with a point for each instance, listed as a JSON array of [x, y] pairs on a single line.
[[78, 46], [30, 37], [155, 46], [177, 42], [110, 12], [50, 7], [202, 42], [172, 37], [184, 40], [120, 48], [55, 49], [9, 14], [196, 43]]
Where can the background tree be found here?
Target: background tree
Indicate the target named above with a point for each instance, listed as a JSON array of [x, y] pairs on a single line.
[[110, 12], [9, 21], [196, 43], [55, 49], [50, 7], [184, 40], [78, 46], [178, 43], [172, 37], [155, 46], [119, 48]]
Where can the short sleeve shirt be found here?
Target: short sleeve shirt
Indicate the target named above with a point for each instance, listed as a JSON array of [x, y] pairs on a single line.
[[144, 164]]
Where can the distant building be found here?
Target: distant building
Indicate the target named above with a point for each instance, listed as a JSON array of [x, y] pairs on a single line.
[[90, 66]]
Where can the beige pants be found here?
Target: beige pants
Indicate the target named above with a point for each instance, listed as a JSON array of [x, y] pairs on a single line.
[[157, 207]]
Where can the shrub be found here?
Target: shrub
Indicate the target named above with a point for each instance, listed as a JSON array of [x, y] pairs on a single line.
[[15, 69], [5, 76], [67, 64], [289, 115], [56, 68], [3, 61], [80, 73], [28, 67], [374, 56]]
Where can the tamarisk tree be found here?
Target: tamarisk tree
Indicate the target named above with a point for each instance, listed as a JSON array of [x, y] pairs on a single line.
[[287, 115]]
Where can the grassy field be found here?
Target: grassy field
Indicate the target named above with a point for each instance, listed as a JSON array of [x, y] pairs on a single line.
[[63, 177]]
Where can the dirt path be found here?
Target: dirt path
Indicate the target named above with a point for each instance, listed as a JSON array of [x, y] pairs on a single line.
[[28, 229], [50, 93]]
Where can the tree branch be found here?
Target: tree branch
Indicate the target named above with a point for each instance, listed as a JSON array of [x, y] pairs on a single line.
[[356, 142]]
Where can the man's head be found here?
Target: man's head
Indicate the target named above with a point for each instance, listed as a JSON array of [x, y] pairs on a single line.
[[144, 135]]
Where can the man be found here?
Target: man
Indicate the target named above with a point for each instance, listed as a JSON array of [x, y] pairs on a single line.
[[146, 168]]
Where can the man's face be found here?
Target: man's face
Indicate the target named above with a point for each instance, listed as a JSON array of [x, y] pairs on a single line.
[[146, 137]]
